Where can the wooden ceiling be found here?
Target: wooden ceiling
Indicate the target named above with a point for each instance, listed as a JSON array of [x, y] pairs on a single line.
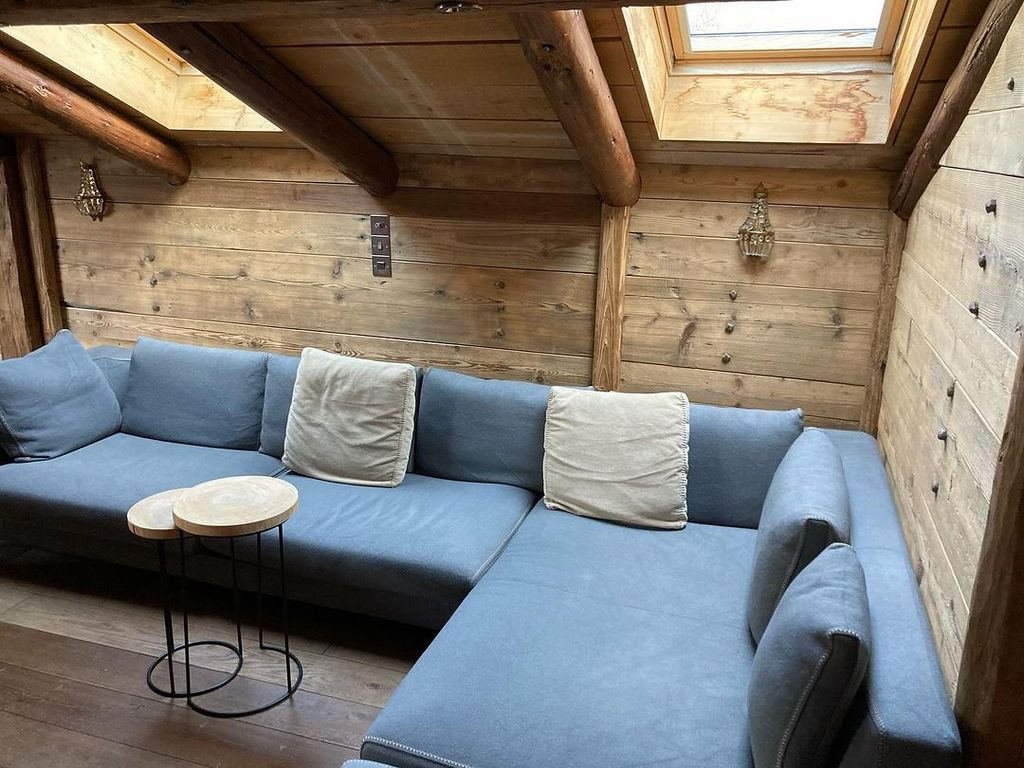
[[460, 85]]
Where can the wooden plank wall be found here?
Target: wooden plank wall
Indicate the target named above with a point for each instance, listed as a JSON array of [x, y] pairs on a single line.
[[947, 368], [792, 330], [270, 248]]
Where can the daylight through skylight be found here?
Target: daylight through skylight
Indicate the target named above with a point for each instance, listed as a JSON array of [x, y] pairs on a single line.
[[783, 25]]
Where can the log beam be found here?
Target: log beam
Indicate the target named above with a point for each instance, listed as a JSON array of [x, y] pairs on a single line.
[[892, 258], [75, 112], [560, 50], [958, 95], [232, 59], [20, 329], [157, 11], [990, 692], [610, 304], [40, 238]]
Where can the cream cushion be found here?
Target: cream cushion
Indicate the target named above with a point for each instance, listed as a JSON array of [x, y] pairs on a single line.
[[617, 456], [351, 420]]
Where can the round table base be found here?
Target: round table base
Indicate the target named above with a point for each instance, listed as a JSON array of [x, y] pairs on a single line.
[[289, 691], [174, 693]]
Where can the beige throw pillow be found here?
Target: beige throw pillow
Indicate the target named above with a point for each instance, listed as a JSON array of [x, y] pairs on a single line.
[[617, 456], [351, 420]]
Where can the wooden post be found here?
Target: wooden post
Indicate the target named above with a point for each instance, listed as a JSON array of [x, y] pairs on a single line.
[[892, 258], [610, 304], [42, 244], [990, 693], [245, 69], [559, 47], [958, 95], [44, 95], [138, 11], [20, 330]]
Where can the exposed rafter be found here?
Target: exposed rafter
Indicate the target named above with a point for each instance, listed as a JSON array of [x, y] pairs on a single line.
[[77, 113], [232, 59], [559, 47], [149, 11], [958, 95]]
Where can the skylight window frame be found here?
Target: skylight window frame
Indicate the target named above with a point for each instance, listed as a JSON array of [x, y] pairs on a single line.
[[881, 48]]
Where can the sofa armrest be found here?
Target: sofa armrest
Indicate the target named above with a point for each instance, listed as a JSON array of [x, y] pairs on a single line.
[[903, 716]]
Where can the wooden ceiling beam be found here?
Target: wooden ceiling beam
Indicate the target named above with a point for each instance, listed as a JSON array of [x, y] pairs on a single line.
[[157, 11], [80, 114], [560, 50], [244, 68], [958, 95]]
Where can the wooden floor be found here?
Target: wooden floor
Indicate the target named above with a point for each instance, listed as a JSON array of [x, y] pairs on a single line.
[[76, 638]]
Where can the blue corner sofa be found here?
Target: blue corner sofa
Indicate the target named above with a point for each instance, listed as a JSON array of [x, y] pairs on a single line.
[[565, 641]]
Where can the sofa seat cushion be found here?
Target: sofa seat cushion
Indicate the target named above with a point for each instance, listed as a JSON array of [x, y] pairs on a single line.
[[587, 643], [428, 536], [90, 490]]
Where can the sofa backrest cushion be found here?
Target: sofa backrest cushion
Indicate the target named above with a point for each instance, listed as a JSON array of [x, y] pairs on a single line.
[[734, 453], [197, 395], [805, 511], [810, 663], [277, 400], [114, 362], [481, 430], [53, 401]]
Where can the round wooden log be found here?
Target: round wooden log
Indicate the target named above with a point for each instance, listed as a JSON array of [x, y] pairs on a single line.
[[44, 95], [559, 47], [139, 11]]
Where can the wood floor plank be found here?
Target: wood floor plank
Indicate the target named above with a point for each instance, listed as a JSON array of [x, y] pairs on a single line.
[[309, 714], [157, 726], [335, 677], [26, 743]]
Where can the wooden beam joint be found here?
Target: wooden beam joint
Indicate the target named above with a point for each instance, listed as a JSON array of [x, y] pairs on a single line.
[[560, 50], [244, 68], [45, 95]]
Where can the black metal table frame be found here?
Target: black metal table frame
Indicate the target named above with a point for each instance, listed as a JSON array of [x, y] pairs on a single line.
[[190, 695]]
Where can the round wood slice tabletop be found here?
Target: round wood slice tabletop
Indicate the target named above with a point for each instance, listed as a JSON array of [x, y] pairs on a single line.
[[235, 506], [153, 517]]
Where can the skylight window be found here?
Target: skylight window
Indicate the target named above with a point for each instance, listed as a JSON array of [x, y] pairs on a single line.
[[788, 28]]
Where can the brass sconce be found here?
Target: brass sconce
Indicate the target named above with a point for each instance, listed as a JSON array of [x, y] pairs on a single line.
[[757, 235], [90, 201]]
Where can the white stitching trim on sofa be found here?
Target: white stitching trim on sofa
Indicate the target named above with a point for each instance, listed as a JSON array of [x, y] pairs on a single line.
[[413, 751]]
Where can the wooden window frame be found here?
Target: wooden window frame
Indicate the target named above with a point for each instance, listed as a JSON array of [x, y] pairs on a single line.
[[881, 49]]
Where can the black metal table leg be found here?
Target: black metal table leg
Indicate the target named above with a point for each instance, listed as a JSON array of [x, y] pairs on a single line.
[[168, 657], [292, 685]]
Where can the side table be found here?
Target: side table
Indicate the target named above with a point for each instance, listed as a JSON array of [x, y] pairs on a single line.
[[153, 519], [230, 508]]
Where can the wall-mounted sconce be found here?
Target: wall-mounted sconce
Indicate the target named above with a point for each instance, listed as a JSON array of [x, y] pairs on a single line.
[[757, 235], [90, 201]]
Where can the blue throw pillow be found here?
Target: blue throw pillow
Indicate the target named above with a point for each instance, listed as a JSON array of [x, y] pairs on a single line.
[[53, 401], [277, 401], [481, 430], [806, 509], [810, 663], [195, 395]]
